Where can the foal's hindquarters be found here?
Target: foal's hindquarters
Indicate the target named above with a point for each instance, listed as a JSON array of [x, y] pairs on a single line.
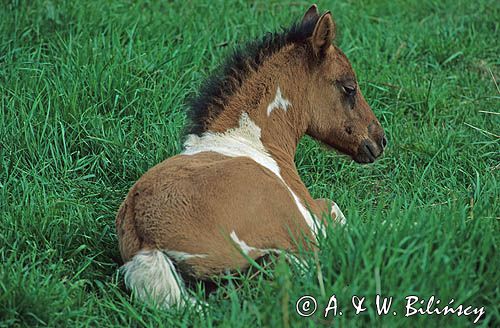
[[200, 215]]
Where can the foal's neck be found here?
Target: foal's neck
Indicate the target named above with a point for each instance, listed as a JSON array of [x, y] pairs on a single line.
[[273, 98]]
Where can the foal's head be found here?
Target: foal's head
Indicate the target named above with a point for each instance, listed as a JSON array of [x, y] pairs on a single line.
[[325, 90], [338, 113]]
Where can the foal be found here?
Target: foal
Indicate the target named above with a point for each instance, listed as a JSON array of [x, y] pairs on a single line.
[[234, 192]]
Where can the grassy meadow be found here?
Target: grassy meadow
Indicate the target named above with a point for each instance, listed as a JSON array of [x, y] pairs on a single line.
[[92, 94]]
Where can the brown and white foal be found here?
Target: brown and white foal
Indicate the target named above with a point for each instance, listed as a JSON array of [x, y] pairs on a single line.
[[235, 190]]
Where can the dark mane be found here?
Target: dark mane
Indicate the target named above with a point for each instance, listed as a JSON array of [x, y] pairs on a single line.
[[215, 91]]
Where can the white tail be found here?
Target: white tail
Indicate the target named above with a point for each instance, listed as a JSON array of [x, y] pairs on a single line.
[[151, 275]]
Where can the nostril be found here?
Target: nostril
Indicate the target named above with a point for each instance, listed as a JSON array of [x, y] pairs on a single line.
[[369, 151], [383, 142]]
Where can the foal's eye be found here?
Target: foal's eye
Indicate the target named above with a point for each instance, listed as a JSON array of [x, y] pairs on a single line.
[[349, 90]]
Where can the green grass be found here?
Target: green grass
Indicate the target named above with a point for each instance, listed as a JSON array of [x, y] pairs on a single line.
[[92, 95]]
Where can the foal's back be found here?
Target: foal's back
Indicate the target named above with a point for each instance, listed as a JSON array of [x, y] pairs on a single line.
[[204, 210]]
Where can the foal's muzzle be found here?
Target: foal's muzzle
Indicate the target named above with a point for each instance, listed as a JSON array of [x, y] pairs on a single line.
[[369, 151]]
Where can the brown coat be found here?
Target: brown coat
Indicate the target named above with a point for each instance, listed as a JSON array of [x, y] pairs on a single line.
[[235, 191], [191, 204]]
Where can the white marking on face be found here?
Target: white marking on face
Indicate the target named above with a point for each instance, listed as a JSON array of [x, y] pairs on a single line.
[[245, 141], [278, 102]]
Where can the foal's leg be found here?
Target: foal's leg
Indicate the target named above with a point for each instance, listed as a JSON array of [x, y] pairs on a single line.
[[329, 206]]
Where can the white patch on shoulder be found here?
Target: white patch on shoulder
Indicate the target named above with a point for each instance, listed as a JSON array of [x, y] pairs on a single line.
[[244, 141], [278, 102], [241, 141]]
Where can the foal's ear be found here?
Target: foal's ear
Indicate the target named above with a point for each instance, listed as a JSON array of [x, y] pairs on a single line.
[[324, 33], [310, 14]]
